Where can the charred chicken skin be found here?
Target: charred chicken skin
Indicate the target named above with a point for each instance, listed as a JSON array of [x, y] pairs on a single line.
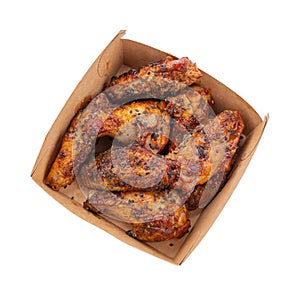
[[84, 129], [154, 216], [129, 168], [77, 142], [168, 148], [233, 127], [145, 122], [200, 156], [181, 70]]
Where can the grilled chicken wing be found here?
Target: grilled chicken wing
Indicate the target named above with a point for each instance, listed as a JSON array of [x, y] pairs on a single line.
[[232, 126], [205, 93], [199, 157], [154, 216], [83, 131], [182, 70], [161, 215], [223, 132], [144, 122], [214, 144], [78, 142], [130, 168], [134, 183], [189, 109]]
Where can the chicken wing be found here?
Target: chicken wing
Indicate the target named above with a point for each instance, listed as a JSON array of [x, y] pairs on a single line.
[[182, 70], [154, 216], [232, 126], [133, 181], [82, 133], [130, 168], [215, 143], [199, 157], [158, 210], [188, 109], [77, 142], [144, 122]]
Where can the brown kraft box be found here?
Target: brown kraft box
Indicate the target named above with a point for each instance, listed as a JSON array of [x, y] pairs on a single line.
[[122, 54]]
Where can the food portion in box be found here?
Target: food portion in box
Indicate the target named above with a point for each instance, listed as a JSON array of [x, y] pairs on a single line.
[[170, 153]]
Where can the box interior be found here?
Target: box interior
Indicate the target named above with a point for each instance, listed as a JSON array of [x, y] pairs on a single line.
[[119, 56]]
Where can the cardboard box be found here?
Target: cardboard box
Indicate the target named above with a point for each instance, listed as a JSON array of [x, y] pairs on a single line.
[[118, 56]]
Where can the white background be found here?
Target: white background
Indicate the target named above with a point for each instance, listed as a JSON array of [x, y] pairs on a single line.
[[252, 250]]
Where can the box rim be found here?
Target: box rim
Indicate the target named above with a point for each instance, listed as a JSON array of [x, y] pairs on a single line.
[[181, 255]]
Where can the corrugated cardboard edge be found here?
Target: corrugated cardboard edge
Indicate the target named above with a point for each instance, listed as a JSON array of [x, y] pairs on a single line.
[[104, 69]]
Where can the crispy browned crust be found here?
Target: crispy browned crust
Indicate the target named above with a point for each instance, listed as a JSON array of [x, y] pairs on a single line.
[[154, 216], [159, 215], [199, 157], [150, 190], [205, 93], [145, 122], [189, 109], [171, 226], [81, 136], [77, 142], [224, 134], [181, 70], [131, 168], [61, 173]]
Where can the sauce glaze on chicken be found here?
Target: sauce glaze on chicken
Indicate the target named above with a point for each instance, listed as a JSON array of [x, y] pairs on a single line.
[[170, 152]]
